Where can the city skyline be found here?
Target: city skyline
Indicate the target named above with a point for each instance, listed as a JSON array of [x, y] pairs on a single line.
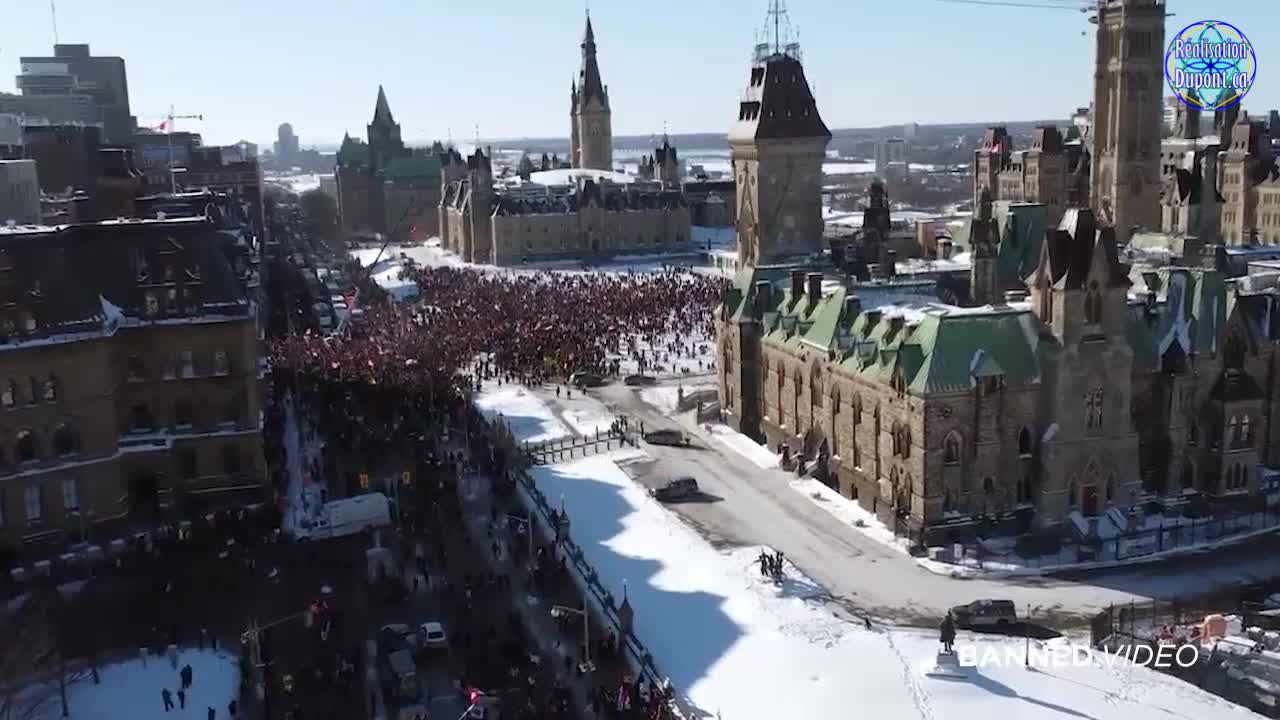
[[682, 69]]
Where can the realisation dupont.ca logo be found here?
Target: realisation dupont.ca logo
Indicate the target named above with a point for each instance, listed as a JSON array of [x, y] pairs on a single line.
[[1210, 65]]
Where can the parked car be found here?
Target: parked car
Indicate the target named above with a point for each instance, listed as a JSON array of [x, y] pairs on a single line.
[[395, 637], [586, 380], [640, 380], [666, 437], [985, 613], [432, 636], [681, 488]]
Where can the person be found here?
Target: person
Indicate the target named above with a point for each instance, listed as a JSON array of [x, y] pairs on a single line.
[[167, 697], [231, 710], [186, 676], [211, 714], [182, 699], [948, 634]]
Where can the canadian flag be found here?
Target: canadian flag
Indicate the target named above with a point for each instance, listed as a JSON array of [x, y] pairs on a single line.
[[161, 126]]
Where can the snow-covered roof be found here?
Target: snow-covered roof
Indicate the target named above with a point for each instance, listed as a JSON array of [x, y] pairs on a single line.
[[569, 176]]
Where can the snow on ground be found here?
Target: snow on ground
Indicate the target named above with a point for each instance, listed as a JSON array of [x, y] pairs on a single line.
[[666, 398], [295, 183], [130, 690], [586, 415], [529, 418], [743, 445], [715, 626]]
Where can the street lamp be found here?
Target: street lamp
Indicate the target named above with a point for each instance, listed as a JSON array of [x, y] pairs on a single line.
[[559, 611]]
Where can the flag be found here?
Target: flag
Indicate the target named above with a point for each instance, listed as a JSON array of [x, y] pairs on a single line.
[[161, 126]]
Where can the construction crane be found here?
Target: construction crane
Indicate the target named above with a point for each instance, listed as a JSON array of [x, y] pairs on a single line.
[[167, 126]]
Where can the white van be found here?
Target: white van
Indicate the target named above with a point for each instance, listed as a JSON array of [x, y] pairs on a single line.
[[346, 517]]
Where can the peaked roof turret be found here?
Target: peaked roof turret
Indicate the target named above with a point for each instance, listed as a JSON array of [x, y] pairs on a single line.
[[382, 111], [589, 83]]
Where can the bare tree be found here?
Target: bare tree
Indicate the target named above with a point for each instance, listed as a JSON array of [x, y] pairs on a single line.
[[26, 656]]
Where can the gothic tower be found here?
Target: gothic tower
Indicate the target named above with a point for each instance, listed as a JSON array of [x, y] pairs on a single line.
[[984, 248], [1128, 105], [591, 121], [384, 135], [777, 146]]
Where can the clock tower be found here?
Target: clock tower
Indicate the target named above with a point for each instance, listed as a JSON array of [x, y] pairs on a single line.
[[591, 129]]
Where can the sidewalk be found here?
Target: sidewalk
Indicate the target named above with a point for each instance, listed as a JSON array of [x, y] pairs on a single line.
[[553, 644]]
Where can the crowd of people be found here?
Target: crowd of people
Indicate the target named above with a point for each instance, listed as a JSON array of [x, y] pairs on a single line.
[[537, 326]]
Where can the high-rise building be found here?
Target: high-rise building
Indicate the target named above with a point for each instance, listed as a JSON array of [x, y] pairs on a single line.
[[97, 86], [777, 146], [591, 119], [286, 146], [1128, 114], [19, 192]]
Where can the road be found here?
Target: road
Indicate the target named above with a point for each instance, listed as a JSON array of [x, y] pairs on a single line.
[[748, 505]]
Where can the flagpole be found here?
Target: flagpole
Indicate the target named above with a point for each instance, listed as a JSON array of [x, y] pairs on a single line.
[[168, 131]]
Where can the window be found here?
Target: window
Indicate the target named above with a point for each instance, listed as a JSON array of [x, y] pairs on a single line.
[[37, 389], [135, 369], [188, 364], [988, 485], [140, 418], [1024, 442], [182, 413], [51, 389], [232, 414], [1073, 493], [1193, 433], [230, 459], [189, 465], [10, 395], [1093, 304], [27, 451], [1093, 409], [152, 304], [31, 500], [1111, 488], [951, 449], [1233, 431], [1246, 433], [71, 495], [65, 441]]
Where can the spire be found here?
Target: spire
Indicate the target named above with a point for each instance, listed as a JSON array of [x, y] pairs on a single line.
[[589, 83], [382, 111]]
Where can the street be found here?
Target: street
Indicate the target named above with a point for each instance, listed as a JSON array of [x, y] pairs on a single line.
[[750, 505]]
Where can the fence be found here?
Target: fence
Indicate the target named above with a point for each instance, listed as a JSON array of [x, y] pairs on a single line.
[[590, 578], [1139, 622], [1035, 551], [571, 447]]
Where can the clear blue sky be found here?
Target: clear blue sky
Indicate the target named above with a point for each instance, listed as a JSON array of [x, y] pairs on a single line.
[[506, 65]]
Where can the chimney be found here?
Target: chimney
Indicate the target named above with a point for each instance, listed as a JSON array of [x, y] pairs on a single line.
[[873, 317], [891, 263], [763, 295], [947, 249], [815, 287], [852, 307], [797, 284]]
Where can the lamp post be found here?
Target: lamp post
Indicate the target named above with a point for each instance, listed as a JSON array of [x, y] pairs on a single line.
[[559, 611]]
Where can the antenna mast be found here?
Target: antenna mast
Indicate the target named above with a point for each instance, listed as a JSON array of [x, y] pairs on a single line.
[[53, 12]]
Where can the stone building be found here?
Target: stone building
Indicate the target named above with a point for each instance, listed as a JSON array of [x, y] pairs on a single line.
[[591, 119], [557, 215], [776, 147], [1128, 114], [384, 186], [129, 378], [1052, 171], [1053, 389]]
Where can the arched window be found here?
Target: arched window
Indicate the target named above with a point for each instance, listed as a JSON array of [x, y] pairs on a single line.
[[988, 485], [1073, 492], [1234, 351], [37, 391], [1111, 488], [65, 441], [1193, 433], [951, 449], [1246, 431], [1233, 431], [906, 441], [26, 446], [1093, 304], [1024, 442], [50, 389], [10, 395]]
